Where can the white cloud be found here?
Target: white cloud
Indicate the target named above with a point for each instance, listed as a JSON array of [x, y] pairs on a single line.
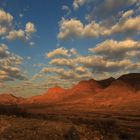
[[74, 28], [127, 14], [5, 17], [62, 62], [81, 69], [20, 34], [21, 15], [66, 9], [108, 58], [78, 3], [73, 51], [70, 28], [57, 52], [129, 25], [8, 28], [30, 28], [3, 30], [105, 8], [9, 63], [67, 74], [116, 49], [95, 30], [100, 64]]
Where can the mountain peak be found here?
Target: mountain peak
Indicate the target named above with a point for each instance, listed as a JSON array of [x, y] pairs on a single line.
[[55, 89], [106, 82], [87, 86]]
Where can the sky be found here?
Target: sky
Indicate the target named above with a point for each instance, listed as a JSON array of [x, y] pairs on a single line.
[[46, 43]]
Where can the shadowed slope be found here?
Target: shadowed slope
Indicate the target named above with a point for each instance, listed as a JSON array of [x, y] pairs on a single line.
[[133, 79], [123, 90], [105, 83]]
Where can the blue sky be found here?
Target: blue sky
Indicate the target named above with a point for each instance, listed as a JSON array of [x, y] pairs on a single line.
[[62, 42]]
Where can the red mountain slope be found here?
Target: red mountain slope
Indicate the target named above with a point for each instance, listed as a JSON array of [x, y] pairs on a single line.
[[52, 95], [91, 93], [82, 90], [9, 99]]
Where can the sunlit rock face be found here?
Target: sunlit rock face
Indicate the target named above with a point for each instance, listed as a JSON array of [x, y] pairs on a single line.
[[123, 91]]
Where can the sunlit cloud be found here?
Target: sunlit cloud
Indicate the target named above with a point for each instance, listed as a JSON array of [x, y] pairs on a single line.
[[74, 28], [9, 63]]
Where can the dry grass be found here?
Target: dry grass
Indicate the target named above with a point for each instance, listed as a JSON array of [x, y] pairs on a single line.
[[18, 124]]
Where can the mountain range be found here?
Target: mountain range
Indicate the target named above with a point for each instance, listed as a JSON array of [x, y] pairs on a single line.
[[122, 92]]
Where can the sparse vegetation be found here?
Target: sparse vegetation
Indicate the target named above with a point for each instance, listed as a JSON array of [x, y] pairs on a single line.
[[19, 124]]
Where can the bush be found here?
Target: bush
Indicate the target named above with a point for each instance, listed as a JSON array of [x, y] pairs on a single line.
[[12, 110]]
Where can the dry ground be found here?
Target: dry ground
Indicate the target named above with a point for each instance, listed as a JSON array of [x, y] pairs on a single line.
[[71, 126]]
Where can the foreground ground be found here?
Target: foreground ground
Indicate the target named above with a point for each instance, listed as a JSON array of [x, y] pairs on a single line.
[[74, 126]]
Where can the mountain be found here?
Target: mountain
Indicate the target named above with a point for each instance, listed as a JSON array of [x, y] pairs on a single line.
[[132, 79], [57, 94], [121, 92], [90, 86], [10, 99], [83, 90], [106, 82], [53, 95]]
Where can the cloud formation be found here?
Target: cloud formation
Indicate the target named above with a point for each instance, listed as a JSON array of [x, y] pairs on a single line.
[[30, 28], [9, 31], [74, 28], [13, 35], [108, 58], [66, 9], [78, 3], [116, 49], [5, 17], [9, 65], [22, 34], [103, 8], [127, 14], [57, 52]]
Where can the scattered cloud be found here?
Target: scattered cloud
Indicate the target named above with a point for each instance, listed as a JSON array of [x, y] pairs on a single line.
[[113, 49], [103, 8], [127, 14], [107, 58], [74, 28], [21, 34], [67, 74], [107, 7], [108, 19], [62, 62], [130, 25], [9, 63], [57, 52], [70, 28], [5, 18], [13, 35], [30, 28], [9, 31], [66, 9], [21, 15], [78, 3]]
